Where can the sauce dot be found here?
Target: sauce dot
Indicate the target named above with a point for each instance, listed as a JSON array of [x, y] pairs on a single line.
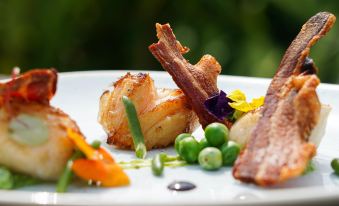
[[181, 186]]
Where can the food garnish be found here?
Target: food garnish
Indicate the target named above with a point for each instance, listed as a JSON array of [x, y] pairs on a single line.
[[203, 143], [210, 153], [278, 148], [163, 113], [67, 175], [198, 82], [97, 166], [216, 134], [230, 152], [309, 168], [13, 180], [240, 103], [210, 158], [154, 163], [158, 164], [178, 139], [189, 149], [181, 186], [335, 165], [231, 106], [134, 127], [219, 106]]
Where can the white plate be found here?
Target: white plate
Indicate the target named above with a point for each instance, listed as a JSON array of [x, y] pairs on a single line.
[[78, 95]]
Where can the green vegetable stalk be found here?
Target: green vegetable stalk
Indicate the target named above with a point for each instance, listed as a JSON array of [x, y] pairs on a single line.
[[158, 163], [134, 126], [67, 174]]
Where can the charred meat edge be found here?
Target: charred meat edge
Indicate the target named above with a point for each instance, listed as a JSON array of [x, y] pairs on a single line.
[[38, 85], [253, 164], [198, 82]]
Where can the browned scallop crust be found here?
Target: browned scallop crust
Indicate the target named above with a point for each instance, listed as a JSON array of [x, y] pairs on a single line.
[[278, 148], [163, 113], [38, 85]]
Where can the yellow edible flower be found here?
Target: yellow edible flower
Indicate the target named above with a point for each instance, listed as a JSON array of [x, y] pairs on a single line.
[[240, 102], [237, 96]]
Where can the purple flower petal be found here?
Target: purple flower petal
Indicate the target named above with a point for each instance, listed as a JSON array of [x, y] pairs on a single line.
[[218, 105]]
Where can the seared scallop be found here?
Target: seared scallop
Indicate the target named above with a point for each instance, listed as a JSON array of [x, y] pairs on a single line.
[[163, 113], [33, 134]]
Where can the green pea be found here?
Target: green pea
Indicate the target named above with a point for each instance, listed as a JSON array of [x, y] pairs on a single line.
[[178, 139], [96, 144], [189, 149], [335, 165], [216, 134], [230, 152], [203, 143], [210, 158]]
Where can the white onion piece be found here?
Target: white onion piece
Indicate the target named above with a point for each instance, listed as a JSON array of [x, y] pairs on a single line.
[[242, 128], [318, 131]]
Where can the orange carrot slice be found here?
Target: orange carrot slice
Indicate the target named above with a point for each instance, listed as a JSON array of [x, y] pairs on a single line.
[[106, 157], [107, 174], [83, 146]]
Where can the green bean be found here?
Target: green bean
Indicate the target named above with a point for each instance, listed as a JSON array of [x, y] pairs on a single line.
[[134, 126], [67, 174], [158, 164]]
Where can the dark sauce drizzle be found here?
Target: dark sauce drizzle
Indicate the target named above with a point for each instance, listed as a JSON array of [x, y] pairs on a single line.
[[181, 186]]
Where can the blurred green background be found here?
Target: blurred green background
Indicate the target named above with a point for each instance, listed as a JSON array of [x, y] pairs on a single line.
[[247, 37]]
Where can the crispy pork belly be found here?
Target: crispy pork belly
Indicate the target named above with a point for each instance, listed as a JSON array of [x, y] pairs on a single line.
[[24, 112], [278, 148], [198, 82], [163, 113]]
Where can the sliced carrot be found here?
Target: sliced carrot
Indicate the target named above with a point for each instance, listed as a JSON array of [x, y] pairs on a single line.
[[88, 150], [107, 174], [99, 165], [107, 157], [82, 145]]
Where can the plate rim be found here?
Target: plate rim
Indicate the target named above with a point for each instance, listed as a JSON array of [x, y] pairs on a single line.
[[53, 198]]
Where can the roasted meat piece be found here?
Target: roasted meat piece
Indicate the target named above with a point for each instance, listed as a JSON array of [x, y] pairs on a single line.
[[163, 113], [278, 148], [33, 134], [198, 82]]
